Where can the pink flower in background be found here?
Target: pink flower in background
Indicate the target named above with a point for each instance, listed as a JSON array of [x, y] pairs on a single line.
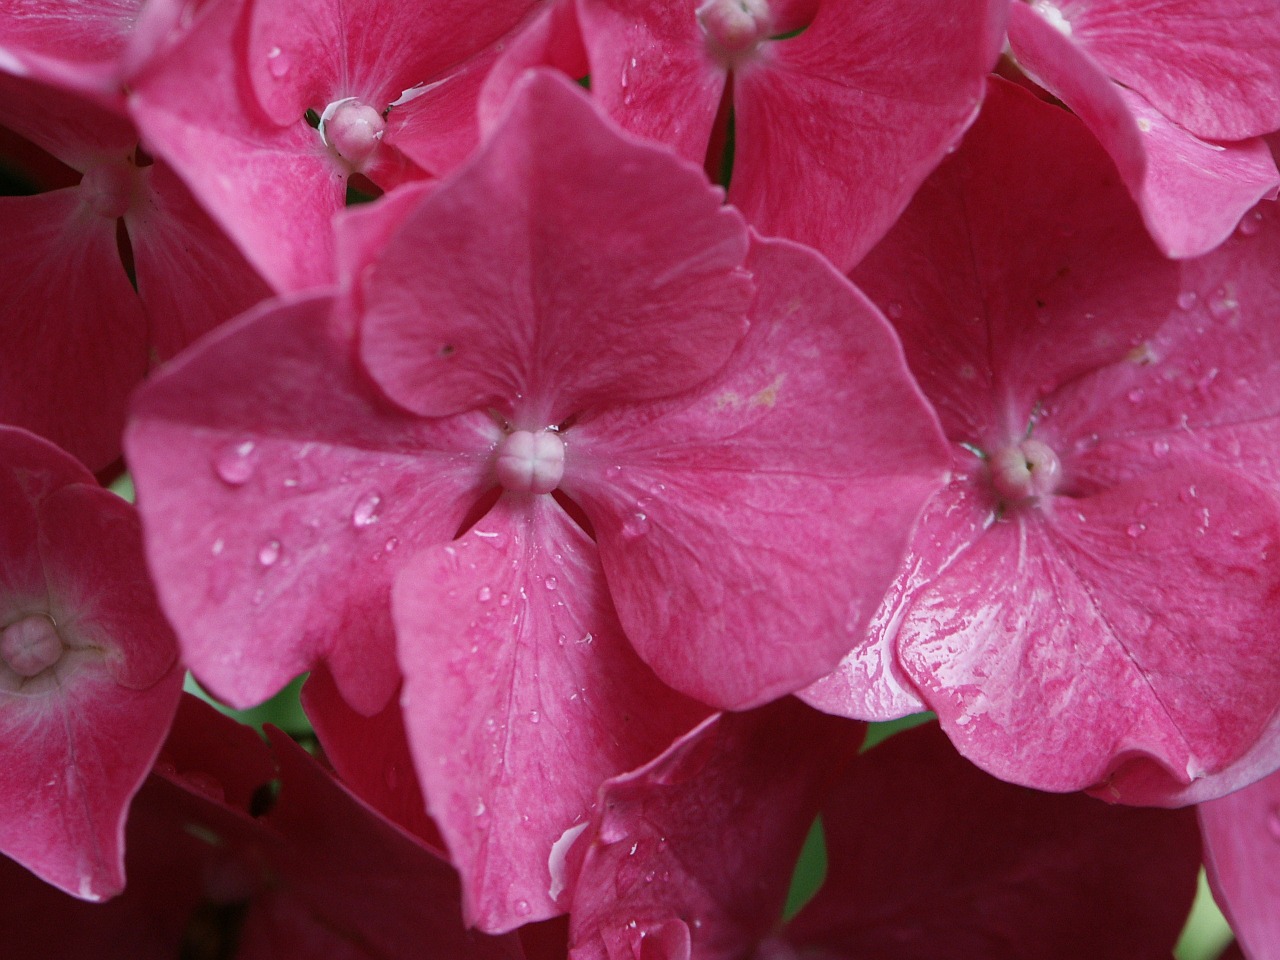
[[89, 678], [81, 337], [639, 384], [927, 856], [1177, 91], [221, 864], [1092, 602], [840, 109], [267, 107]]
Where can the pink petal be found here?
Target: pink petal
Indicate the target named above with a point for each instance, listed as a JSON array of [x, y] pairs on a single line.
[[1005, 246], [283, 187], [800, 469], [869, 683], [579, 296], [1057, 613], [929, 857], [521, 697], [190, 276], [305, 54], [1242, 854], [656, 867], [80, 735], [650, 71], [1191, 193], [76, 331], [281, 493], [77, 129], [551, 38], [1209, 66], [76, 45], [370, 754], [837, 127]]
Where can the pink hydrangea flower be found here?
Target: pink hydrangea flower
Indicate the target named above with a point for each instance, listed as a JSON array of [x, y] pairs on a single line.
[[640, 384], [82, 337], [1177, 93], [839, 109], [223, 865], [1092, 601], [233, 94], [89, 678], [926, 855]]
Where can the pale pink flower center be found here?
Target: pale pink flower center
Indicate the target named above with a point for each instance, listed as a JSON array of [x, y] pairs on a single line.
[[1025, 469], [530, 462], [31, 645], [108, 188], [352, 130], [734, 28]]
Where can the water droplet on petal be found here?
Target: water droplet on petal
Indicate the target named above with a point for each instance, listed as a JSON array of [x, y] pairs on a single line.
[[365, 512], [551, 583], [1251, 224], [636, 525], [1187, 299], [1135, 530], [893, 310], [269, 553], [236, 465], [480, 808], [1136, 394], [1160, 447], [277, 63], [391, 544], [535, 716], [483, 594], [217, 547], [522, 908]]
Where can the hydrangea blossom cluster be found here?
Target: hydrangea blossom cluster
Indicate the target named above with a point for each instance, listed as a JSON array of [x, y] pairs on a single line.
[[611, 407]]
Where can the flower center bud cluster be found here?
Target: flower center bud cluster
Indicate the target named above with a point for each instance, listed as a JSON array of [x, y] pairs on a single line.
[[734, 28], [352, 130], [1025, 469], [530, 462], [31, 645]]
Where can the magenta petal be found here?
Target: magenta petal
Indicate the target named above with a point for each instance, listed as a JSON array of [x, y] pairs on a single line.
[[1211, 66], [274, 190], [1242, 853], [929, 857], [1191, 193], [521, 697], [83, 721], [1144, 595], [650, 71], [837, 127], [76, 45], [800, 469], [370, 754], [281, 494], [580, 295], [75, 327], [190, 276], [658, 867]]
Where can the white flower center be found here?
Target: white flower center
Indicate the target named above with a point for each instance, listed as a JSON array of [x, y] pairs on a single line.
[[531, 462], [352, 130], [734, 28], [1025, 469], [31, 645]]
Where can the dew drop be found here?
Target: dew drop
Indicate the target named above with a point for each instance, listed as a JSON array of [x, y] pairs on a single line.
[[586, 638], [277, 63], [391, 544], [551, 583], [269, 553], [1160, 447], [1251, 224], [636, 525], [366, 511], [1135, 530], [480, 808], [893, 309], [484, 594], [522, 908], [217, 547], [237, 463], [1187, 299], [1135, 395], [535, 716]]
